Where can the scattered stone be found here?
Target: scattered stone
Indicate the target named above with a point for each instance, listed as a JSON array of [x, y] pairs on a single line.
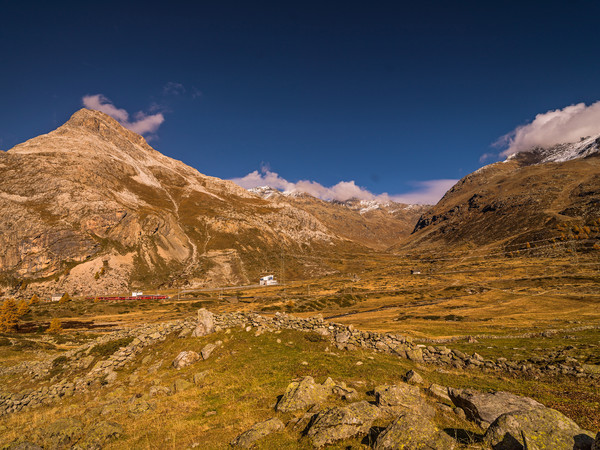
[[206, 323], [402, 398], [199, 377], [359, 363], [258, 431], [342, 423], [487, 407], [181, 385], [159, 391], [303, 394], [538, 428], [210, 413], [207, 350], [111, 376], [185, 358], [139, 406], [413, 377], [439, 392], [304, 363], [413, 431], [344, 392], [185, 333]]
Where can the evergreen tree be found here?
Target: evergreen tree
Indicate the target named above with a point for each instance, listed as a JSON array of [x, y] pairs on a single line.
[[34, 300], [9, 317], [55, 326], [22, 308], [65, 298]]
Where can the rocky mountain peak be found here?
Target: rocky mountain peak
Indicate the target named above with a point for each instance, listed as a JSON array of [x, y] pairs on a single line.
[[586, 146]]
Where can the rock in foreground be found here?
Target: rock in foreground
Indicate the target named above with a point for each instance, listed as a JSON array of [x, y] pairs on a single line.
[[345, 422], [413, 431], [487, 407], [540, 428], [258, 431]]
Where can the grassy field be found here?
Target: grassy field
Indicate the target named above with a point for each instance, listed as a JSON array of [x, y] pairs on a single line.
[[517, 308], [243, 381]]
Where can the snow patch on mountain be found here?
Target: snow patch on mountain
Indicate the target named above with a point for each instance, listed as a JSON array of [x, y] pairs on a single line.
[[586, 146]]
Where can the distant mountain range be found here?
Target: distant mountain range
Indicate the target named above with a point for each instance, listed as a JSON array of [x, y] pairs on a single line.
[[534, 196], [92, 208]]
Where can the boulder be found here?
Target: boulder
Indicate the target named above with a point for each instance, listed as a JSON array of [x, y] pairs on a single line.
[[185, 358], [413, 431], [538, 428], [344, 422], [207, 350], [206, 323], [258, 431], [402, 398], [439, 392], [413, 377], [414, 354], [487, 407], [180, 385], [159, 391], [344, 392], [303, 394], [596, 444]]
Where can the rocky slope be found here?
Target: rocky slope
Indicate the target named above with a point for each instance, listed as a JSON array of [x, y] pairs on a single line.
[[91, 208], [372, 223], [532, 196]]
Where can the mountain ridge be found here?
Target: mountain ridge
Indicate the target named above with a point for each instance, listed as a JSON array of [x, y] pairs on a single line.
[[91, 208]]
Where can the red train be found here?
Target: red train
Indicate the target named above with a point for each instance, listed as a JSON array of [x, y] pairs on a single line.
[[137, 297]]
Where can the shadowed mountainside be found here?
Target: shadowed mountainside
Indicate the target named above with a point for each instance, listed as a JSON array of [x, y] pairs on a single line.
[[533, 196]]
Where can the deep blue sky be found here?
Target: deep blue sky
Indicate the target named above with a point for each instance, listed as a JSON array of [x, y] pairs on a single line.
[[382, 93]]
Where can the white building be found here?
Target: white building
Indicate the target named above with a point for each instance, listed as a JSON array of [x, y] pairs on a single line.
[[56, 296], [268, 280], [137, 293]]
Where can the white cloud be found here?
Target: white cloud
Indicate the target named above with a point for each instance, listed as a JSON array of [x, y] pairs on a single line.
[[425, 192], [143, 123], [553, 127]]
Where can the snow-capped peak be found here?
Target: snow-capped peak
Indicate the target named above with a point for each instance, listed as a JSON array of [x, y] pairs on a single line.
[[586, 146]]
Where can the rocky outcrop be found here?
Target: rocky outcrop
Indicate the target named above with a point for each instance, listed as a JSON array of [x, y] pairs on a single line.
[[537, 428], [185, 358], [401, 398], [257, 432], [413, 431], [303, 394], [206, 323], [487, 407], [343, 422]]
